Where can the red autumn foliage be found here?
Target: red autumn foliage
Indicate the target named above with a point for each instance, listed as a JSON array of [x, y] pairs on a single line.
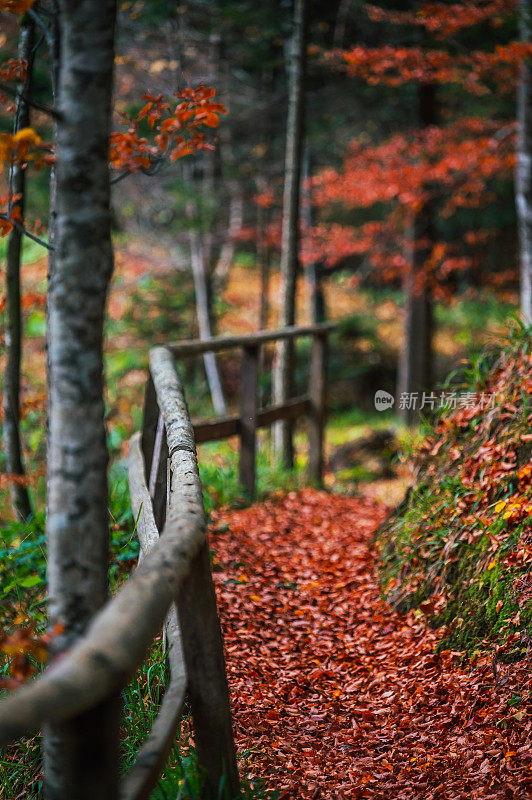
[[12, 70], [452, 166], [339, 696], [23, 649], [446, 19], [16, 6], [393, 66], [176, 131]]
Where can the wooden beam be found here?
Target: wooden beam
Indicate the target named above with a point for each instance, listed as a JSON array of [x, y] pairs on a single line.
[[150, 419], [195, 346], [215, 429], [293, 409], [222, 428], [248, 419], [142, 778], [318, 395]]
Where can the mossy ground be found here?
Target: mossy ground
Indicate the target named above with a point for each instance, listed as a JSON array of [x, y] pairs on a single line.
[[459, 548]]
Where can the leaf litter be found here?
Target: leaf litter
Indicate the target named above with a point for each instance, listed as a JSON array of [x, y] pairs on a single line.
[[337, 695]]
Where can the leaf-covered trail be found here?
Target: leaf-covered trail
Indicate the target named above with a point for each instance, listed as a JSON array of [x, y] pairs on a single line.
[[337, 695]]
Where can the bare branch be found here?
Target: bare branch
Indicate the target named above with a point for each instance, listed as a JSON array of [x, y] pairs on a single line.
[[42, 25], [26, 232], [153, 169], [31, 101]]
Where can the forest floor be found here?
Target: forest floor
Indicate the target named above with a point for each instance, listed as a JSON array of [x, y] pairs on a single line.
[[337, 695]]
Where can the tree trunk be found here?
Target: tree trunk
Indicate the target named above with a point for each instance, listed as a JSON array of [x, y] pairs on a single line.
[[13, 333], [199, 274], [415, 363], [523, 177], [263, 259], [416, 355], [312, 270], [234, 225], [228, 178], [81, 755], [341, 21], [283, 367], [201, 291]]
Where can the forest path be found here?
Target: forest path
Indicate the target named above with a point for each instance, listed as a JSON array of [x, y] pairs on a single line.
[[337, 695]]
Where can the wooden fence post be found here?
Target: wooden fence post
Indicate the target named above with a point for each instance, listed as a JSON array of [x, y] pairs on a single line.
[[207, 687], [248, 419], [158, 484], [150, 419], [155, 452], [317, 393]]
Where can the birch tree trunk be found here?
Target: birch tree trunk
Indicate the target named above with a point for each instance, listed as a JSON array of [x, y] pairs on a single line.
[[415, 363], [199, 274], [523, 176], [199, 246], [81, 756], [234, 225], [283, 366], [13, 332]]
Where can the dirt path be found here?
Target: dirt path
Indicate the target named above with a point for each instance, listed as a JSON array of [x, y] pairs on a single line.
[[335, 694]]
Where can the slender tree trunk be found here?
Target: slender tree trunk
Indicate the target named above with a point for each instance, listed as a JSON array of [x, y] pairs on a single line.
[[200, 249], [228, 179], [199, 274], [341, 21], [415, 363], [312, 270], [13, 333], [201, 292], [81, 756], [263, 253], [283, 367], [234, 225], [523, 177], [263, 259], [416, 356], [55, 65]]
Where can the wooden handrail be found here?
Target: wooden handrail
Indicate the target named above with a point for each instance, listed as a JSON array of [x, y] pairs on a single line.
[[173, 582], [251, 417], [118, 637], [212, 430], [191, 347], [142, 777], [207, 687]]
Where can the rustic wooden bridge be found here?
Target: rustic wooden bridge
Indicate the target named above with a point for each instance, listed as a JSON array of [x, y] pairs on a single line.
[[172, 587]]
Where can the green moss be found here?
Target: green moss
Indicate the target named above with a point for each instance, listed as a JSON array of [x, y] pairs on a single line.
[[451, 545]]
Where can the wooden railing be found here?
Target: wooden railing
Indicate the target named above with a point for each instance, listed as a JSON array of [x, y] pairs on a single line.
[[173, 582], [172, 587], [312, 404]]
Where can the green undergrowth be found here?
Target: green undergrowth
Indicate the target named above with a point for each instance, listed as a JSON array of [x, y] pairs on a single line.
[[218, 468], [181, 777], [22, 601], [459, 548], [21, 763]]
